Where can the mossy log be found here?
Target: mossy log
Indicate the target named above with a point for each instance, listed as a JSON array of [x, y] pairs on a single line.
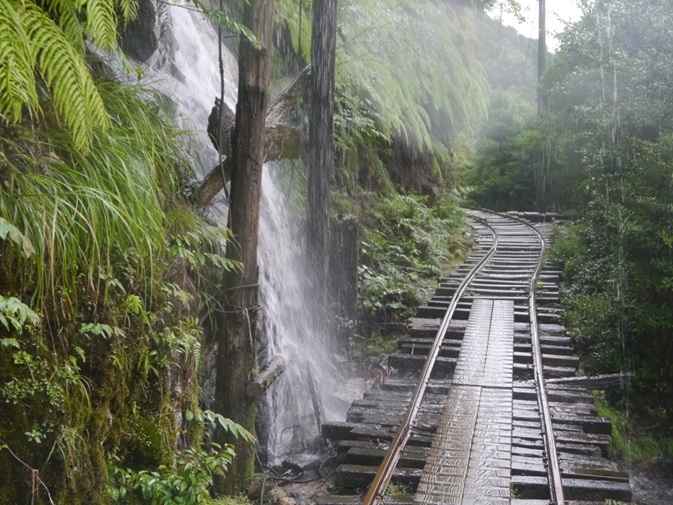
[[266, 377]]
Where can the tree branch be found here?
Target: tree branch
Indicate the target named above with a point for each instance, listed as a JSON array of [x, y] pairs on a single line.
[[281, 139]]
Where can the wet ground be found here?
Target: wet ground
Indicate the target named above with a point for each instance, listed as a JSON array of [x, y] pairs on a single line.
[[652, 483]]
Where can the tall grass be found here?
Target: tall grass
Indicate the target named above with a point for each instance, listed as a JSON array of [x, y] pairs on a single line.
[[81, 211]]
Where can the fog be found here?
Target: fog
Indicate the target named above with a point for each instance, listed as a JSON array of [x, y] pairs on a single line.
[[559, 13]]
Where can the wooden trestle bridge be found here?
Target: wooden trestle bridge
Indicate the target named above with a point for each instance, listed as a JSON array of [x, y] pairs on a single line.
[[486, 408]]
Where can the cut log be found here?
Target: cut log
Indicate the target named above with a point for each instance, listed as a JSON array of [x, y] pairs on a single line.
[[266, 377]]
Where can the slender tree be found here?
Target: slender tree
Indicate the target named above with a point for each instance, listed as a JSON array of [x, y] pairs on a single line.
[[541, 173], [320, 146], [237, 363]]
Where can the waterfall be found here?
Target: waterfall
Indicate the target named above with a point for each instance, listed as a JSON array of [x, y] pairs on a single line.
[[185, 68], [303, 396]]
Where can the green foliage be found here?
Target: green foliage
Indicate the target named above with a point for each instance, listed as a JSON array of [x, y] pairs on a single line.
[[16, 315], [228, 22], [288, 16], [375, 344], [629, 442], [231, 500], [187, 481], [397, 490], [405, 240], [106, 249], [409, 87], [83, 212], [605, 151], [10, 232], [502, 174], [414, 63], [45, 43]]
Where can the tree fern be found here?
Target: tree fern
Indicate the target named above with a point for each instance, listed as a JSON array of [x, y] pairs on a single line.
[[46, 39]]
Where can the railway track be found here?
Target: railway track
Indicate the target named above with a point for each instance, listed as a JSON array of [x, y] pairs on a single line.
[[483, 409]]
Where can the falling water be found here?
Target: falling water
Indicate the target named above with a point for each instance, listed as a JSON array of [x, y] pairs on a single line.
[[303, 396], [185, 67]]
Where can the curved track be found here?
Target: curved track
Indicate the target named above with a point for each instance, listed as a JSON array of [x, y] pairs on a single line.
[[399, 424]]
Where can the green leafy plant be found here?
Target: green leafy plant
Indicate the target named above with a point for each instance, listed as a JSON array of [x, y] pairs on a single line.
[[45, 43], [405, 241], [188, 479], [16, 315]]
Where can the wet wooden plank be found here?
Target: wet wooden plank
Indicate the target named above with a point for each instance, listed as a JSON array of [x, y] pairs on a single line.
[[471, 453]]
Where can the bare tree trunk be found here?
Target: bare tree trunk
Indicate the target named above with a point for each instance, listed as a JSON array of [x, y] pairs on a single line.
[[320, 148], [236, 366], [541, 173]]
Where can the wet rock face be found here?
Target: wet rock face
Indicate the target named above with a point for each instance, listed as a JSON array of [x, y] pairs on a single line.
[[138, 39]]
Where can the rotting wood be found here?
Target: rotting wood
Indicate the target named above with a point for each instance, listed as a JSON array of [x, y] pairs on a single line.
[[281, 139], [266, 377]]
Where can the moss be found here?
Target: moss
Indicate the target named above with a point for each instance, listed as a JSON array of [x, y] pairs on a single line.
[[231, 500]]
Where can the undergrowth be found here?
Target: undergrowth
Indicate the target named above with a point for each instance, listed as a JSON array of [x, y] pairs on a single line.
[[631, 441], [105, 273], [406, 243]]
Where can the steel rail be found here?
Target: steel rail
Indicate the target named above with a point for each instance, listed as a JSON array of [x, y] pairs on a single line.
[[553, 468], [376, 492]]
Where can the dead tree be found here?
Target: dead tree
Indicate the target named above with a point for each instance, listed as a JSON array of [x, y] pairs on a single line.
[[320, 146]]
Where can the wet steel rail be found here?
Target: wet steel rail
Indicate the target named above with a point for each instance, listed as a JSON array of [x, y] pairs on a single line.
[[376, 492], [553, 467], [411, 427]]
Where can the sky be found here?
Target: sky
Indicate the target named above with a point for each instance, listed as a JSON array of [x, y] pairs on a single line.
[[558, 12]]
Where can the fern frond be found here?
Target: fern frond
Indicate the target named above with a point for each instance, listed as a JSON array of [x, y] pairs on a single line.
[[63, 68], [101, 23], [129, 9], [66, 12], [17, 61]]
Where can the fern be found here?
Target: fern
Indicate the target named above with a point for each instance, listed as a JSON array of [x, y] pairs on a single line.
[[17, 60], [101, 23], [65, 71], [47, 39], [66, 13]]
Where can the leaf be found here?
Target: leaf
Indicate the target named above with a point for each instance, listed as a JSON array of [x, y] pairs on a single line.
[[66, 73], [14, 311], [10, 342], [8, 230], [99, 329]]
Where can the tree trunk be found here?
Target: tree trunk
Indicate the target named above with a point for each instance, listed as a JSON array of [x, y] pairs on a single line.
[[281, 139], [320, 148], [236, 366], [267, 376]]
